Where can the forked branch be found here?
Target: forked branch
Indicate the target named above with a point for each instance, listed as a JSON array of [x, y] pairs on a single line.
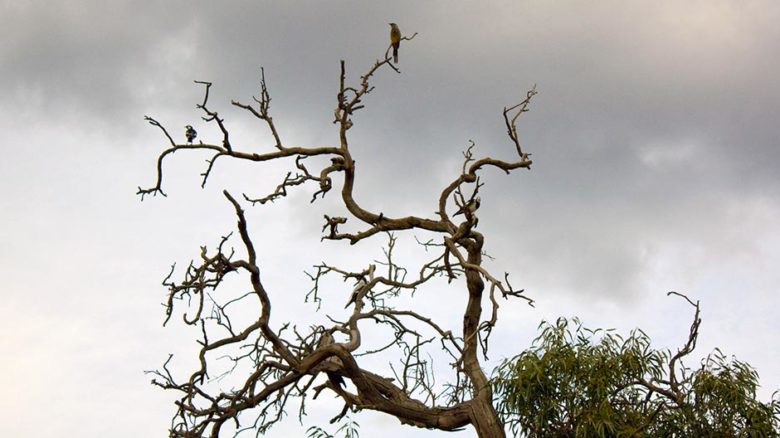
[[282, 362]]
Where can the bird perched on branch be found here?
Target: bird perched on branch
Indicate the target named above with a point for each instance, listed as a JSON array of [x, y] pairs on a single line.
[[361, 284], [395, 40], [360, 287], [190, 133], [469, 208], [326, 339]]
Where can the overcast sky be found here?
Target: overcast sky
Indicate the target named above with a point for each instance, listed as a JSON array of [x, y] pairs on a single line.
[[654, 136]]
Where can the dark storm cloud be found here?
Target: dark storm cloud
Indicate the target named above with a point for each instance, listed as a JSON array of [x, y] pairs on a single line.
[[95, 57], [650, 116]]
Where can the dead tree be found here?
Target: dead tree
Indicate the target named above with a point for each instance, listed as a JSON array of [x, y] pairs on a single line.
[[283, 363]]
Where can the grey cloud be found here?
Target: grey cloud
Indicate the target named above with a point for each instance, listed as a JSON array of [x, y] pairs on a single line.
[[642, 110], [654, 138], [89, 56]]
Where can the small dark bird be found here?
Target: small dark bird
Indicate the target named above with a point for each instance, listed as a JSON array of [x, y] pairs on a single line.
[[470, 207], [395, 40], [191, 133]]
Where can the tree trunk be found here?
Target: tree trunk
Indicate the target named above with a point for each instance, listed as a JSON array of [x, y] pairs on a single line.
[[483, 414]]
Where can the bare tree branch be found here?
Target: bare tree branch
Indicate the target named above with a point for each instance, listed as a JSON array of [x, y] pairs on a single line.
[[276, 364]]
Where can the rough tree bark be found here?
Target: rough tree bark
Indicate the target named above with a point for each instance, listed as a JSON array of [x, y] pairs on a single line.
[[285, 363]]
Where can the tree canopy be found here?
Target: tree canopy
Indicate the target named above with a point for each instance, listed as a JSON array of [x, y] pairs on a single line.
[[575, 381]]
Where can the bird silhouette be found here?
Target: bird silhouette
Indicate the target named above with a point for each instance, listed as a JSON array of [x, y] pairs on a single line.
[[190, 133]]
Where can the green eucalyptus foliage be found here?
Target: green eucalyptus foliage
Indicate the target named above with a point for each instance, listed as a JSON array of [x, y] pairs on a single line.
[[577, 382], [349, 429]]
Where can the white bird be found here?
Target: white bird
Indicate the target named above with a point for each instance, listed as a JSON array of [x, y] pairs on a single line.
[[191, 133], [469, 208], [359, 291], [325, 340], [361, 284]]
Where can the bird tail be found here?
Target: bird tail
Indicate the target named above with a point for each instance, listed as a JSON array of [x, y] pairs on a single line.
[[395, 54], [336, 380]]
